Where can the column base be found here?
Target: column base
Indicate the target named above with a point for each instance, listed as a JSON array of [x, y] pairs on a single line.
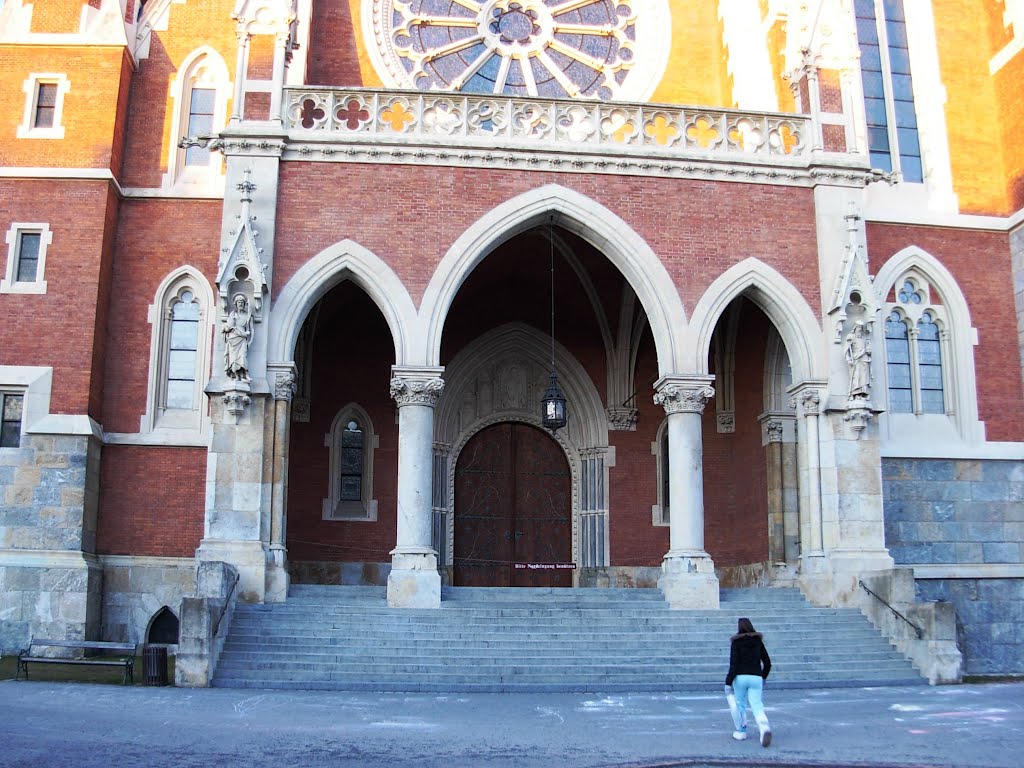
[[278, 579], [414, 581], [688, 581]]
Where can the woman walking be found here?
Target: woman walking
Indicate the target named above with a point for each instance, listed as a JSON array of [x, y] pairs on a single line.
[[749, 666]]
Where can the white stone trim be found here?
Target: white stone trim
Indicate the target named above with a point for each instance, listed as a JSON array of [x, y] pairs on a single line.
[[10, 283], [47, 558], [346, 260], [146, 561], [36, 383], [778, 299], [967, 571], [202, 68], [26, 129], [642, 268], [931, 449], [895, 432], [160, 438], [190, 425]]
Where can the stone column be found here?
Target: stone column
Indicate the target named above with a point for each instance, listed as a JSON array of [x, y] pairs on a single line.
[[241, 62], [807, 402], [277, 88], [276, 475], [688, 574], [414, 581]]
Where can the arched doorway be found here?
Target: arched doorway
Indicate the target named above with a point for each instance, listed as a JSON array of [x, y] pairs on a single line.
[[513, 510]]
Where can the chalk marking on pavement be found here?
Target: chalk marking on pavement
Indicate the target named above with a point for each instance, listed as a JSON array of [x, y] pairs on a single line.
[[906, 708], [550, 712], [244, 706]]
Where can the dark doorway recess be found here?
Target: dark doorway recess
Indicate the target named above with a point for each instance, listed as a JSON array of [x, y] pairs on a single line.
[[513, 504]]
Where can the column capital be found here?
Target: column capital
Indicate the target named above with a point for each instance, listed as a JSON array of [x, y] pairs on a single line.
[[806, 398], [416, 385], [683, 394], [282, 379]]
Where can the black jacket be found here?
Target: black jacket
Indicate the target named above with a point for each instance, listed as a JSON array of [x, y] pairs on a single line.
[[748, 656]]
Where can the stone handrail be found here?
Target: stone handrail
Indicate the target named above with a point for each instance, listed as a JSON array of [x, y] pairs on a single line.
[[417, 116]]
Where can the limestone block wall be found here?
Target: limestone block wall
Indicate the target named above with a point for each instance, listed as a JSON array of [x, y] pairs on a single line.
[[960, 524], [136, 588], [50, 580]]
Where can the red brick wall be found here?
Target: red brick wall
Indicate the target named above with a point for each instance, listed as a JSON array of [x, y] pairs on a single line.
[[151, 501], [56, 16], [90, 108], [698, 229], [735, 483], [150, 246], [980, 263], [150, 131], [333, 45], [352, 354], [1011, 105], [261, 57], [58, 328]]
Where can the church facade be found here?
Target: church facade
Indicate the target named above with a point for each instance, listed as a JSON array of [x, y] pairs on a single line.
[[287, 283]]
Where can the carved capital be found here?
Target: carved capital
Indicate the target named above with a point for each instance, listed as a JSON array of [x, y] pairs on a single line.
[[622, 419], [236, 401], [726, 422], [285, 386], [857, 418], [416, 391], [774, 431], [809, 400], [680, 399]]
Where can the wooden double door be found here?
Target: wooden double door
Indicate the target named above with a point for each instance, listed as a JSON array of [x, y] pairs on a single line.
[[513, 510]]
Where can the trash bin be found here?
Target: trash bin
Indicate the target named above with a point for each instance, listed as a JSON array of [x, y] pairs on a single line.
[[154, 665]]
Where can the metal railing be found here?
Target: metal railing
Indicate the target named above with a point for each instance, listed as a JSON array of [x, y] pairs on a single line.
[[223, 608], [917, 629]]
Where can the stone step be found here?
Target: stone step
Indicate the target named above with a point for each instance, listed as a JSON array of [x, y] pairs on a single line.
[[346, 638]]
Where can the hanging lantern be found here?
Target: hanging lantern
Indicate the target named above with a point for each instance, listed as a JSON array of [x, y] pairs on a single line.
[[553, 404]]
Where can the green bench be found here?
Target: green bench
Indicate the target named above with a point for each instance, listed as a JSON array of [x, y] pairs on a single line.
[[30, 655]]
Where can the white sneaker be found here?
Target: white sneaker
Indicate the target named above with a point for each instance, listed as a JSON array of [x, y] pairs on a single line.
[[766, 737], [739, 735]]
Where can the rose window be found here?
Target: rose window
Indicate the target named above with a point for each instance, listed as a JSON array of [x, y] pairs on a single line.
[[524, 48]]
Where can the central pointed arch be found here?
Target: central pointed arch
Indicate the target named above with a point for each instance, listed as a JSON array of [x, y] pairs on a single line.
[[589, 220]]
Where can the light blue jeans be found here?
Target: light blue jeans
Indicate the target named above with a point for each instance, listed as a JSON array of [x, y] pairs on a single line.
[[748, 690]]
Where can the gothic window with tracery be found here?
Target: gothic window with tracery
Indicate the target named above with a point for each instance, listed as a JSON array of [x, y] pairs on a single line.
[[914, 343], [351, 444]]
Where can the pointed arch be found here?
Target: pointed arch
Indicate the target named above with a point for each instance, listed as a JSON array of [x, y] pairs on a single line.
[[346, 260], [958, 347], [778, 299], [582, 216]]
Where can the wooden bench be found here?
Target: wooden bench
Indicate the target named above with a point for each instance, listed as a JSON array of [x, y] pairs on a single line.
[[25, 656]]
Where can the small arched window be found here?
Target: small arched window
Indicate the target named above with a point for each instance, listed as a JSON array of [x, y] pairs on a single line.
[[201, 92], [350, 443], [179, 365]]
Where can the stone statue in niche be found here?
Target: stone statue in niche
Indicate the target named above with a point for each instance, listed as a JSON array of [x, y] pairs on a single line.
[[237, 335], [858, 358]]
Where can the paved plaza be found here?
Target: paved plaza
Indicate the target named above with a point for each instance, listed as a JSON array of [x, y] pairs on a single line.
[[82, 725]]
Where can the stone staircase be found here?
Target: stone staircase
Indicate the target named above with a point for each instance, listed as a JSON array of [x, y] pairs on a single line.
[[544, 640]]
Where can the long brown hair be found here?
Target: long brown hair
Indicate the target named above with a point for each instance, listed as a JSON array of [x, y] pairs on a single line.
[[744, 627]]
